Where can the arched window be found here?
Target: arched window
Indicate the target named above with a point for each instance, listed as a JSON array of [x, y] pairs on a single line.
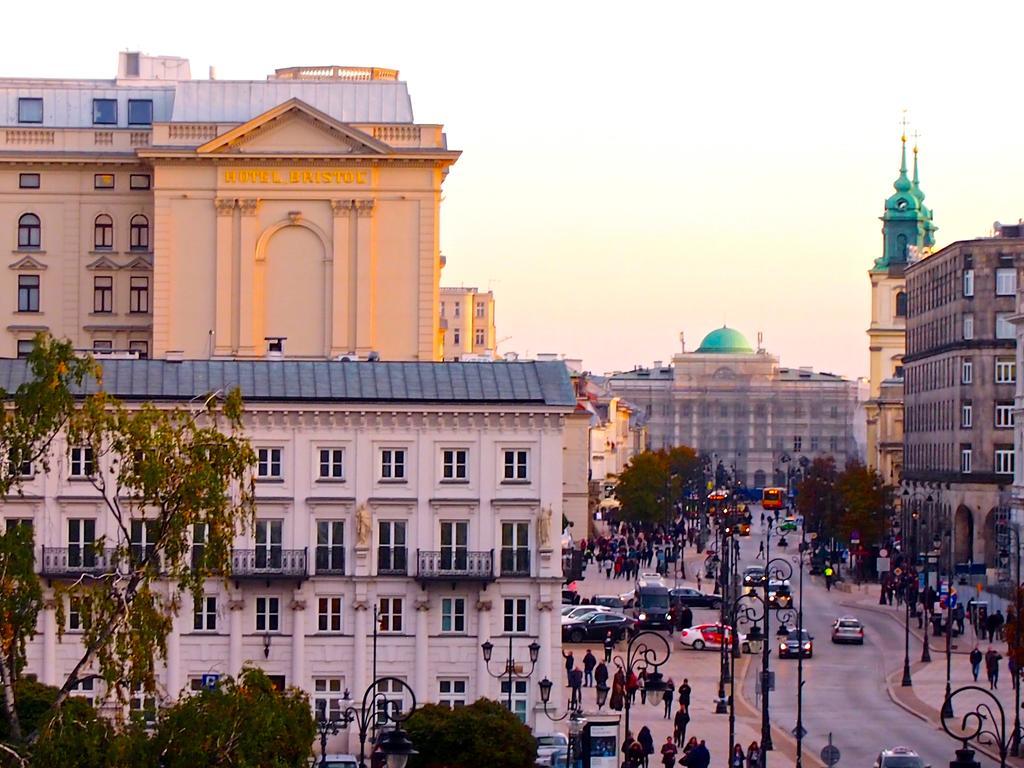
[[901, 304], [103, 233], [901, 247], [139, 233], [28, 231]]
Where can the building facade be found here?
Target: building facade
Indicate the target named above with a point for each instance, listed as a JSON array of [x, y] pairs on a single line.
[[907, 233], [960, 374], [426, 497], [192, 218], [740, 407], [467, 323]]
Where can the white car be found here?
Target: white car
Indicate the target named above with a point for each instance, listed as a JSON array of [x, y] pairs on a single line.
[[579, 611], [336, 761], [899, 757], [548, 744]]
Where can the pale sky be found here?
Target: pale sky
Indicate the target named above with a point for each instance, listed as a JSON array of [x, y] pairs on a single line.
[[633, 170]]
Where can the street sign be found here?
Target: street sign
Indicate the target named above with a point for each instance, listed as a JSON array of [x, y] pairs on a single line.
[[209, 681], [952, 599], [799, 734], [883, 553], [898, 572], [829, 755]]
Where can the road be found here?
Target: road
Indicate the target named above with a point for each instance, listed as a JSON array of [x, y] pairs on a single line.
[[844, 685]]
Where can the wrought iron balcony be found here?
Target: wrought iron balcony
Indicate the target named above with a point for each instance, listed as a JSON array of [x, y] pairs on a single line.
[[76, 560], [515, 561], [455, 565], [268, 563]]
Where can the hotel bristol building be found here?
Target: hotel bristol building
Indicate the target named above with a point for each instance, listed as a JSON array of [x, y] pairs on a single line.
[[198, 234]]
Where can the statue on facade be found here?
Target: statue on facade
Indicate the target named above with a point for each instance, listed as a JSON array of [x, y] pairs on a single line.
[[362, 526], [544, 528]]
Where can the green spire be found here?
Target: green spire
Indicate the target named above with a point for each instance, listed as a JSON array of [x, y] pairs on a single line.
[[902, 183], [906, 223]]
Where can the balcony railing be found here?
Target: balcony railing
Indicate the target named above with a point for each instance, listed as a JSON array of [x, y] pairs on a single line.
[[268, 563], [455, 565], [75, 561], [392, 561], [515, 561]]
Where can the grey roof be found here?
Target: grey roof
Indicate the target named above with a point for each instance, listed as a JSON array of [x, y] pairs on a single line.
[[67, 105], [541, 383]]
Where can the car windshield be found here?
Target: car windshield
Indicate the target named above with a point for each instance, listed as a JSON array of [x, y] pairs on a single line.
[[903, 761], [656, 600], [795, 635], [849, 624], [550, 741]]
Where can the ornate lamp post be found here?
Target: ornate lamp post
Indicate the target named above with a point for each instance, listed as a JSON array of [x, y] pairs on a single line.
[[510, 672], [985, 724], [575, 714], [646, 649], [778, 570], [376, 711]]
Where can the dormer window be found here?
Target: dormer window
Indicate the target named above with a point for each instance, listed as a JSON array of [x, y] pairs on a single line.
[[30, 110], [104, 111]]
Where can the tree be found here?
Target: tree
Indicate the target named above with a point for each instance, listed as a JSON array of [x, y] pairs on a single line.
[[864, 499], [21, 598], [484, 733], [655, 481], [1014, 630], [240, 723], [817, 498]]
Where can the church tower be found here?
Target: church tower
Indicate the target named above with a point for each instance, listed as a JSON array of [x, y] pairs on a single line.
[[908, 234]]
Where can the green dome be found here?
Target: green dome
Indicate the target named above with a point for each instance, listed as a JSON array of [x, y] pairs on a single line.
[[725, 341]]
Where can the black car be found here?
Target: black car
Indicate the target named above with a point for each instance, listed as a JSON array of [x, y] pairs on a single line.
[[686, 597], [753, 576], [570, 597], [796, 645], [595, 626], [779, 595]]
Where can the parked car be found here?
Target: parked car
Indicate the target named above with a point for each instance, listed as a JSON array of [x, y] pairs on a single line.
[[797, 644], [899, 757], [579, 611], [709, 636], [691, 598], [847, 629], [614, 602], [570, 597], [336, 761], [548, 744], [594, 626], [779, 594]]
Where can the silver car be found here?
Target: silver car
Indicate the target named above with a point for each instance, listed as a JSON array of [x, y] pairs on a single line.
[[899, 757], [848, 629]]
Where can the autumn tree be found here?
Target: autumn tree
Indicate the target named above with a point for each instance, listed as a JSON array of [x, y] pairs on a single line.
[[483, 733], [817, 497], [655, 481], [864, 498]]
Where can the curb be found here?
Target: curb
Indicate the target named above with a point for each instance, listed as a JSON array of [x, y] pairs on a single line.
[[914, 632]]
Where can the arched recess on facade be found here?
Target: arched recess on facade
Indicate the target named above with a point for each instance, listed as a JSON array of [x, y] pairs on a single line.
[[963, 535], [759, 478], [294, 256], [991, 543]]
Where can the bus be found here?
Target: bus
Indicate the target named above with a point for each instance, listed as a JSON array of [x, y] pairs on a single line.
[[773, 498]]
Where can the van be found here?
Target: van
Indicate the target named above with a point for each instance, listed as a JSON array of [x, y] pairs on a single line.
[[652, 606]]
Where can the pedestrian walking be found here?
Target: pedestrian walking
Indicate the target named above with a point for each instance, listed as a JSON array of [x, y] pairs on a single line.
[[754, 755], [992, 658], [627, 745], [685, 618], [570, 663], [641, 680], [698, 757], [647, 742], [618, 691], [667, 695], [680, 722], [976, 659], [601, 674], [632, 685], [1011, 667], [738, 758], [589, 662], [760, 551], [668, 752], [576, 684], [609, 646], [684, 693]]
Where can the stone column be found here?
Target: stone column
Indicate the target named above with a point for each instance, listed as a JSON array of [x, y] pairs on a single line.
[[172, 683], [237, 607], [365, 293], [299, 641], [547, 646], [49, 671], [422, 687], [339, 307], [483, 634], [359, 682], [225, 308], [250, 337]]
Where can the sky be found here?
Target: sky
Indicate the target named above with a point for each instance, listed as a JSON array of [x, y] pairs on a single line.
[[635, 170]]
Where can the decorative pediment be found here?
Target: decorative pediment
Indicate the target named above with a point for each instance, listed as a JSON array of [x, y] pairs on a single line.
[[103, 263], [27, 263], [294, 128], [140, 262]]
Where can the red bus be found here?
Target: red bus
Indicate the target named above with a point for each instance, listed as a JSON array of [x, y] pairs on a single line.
[[773, 498]]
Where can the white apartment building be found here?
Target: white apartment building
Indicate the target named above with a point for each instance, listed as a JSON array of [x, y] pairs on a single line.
[[423, 494]]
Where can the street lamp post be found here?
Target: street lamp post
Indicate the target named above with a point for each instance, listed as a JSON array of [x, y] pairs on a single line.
[[915, 513], [574, 713], [652, 649], [800, 657], [778, 570], [1014, 652], [725, 554], [510, 672], [376, 711], [907, 564], [947, 702]]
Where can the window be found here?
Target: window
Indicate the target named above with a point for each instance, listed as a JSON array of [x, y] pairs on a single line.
[[142, 706], [139, 232], [1004, 415], [28, 293], [1006, 281], [392, 464], [76, 619], [81, 461], [141, 348], [391, 552], [515, 615], [16, 467], [143, 541], [901, 304], [103, 233], [451, 693], [833, 411], [1006, 370], [268, 463], [966, 416], [30, 110], [1004, 461], [965, 459], [453, 464], [104, 111], [103, 294], [140, 112], [330, 546], [481, 309], [391, 700], [798, 443], [515, 548], [1004, 328], [29, 229], [389, 613], [140, 181], [103, 181], [329, 614], [814, 443], [456, 335], [268, 544], [968, 326], [968, 282], [479, 337], [458, 309], [453, 615], [833, 444], [268, 614], [327, 697], [138, 295], [204, 618], [81, 543], [454, 545], [28, 181], [102, 345], [85, 688], [519, 697], [967, 371], [332, 464], [25, 347], [517, 466], [198, 545]]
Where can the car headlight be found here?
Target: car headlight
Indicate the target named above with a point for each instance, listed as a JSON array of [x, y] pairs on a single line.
[[807, 646], [782, 647], [643, 617]]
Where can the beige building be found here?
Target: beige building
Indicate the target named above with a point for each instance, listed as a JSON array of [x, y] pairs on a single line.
[[467, 323], [206, 218], [745, 411]]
